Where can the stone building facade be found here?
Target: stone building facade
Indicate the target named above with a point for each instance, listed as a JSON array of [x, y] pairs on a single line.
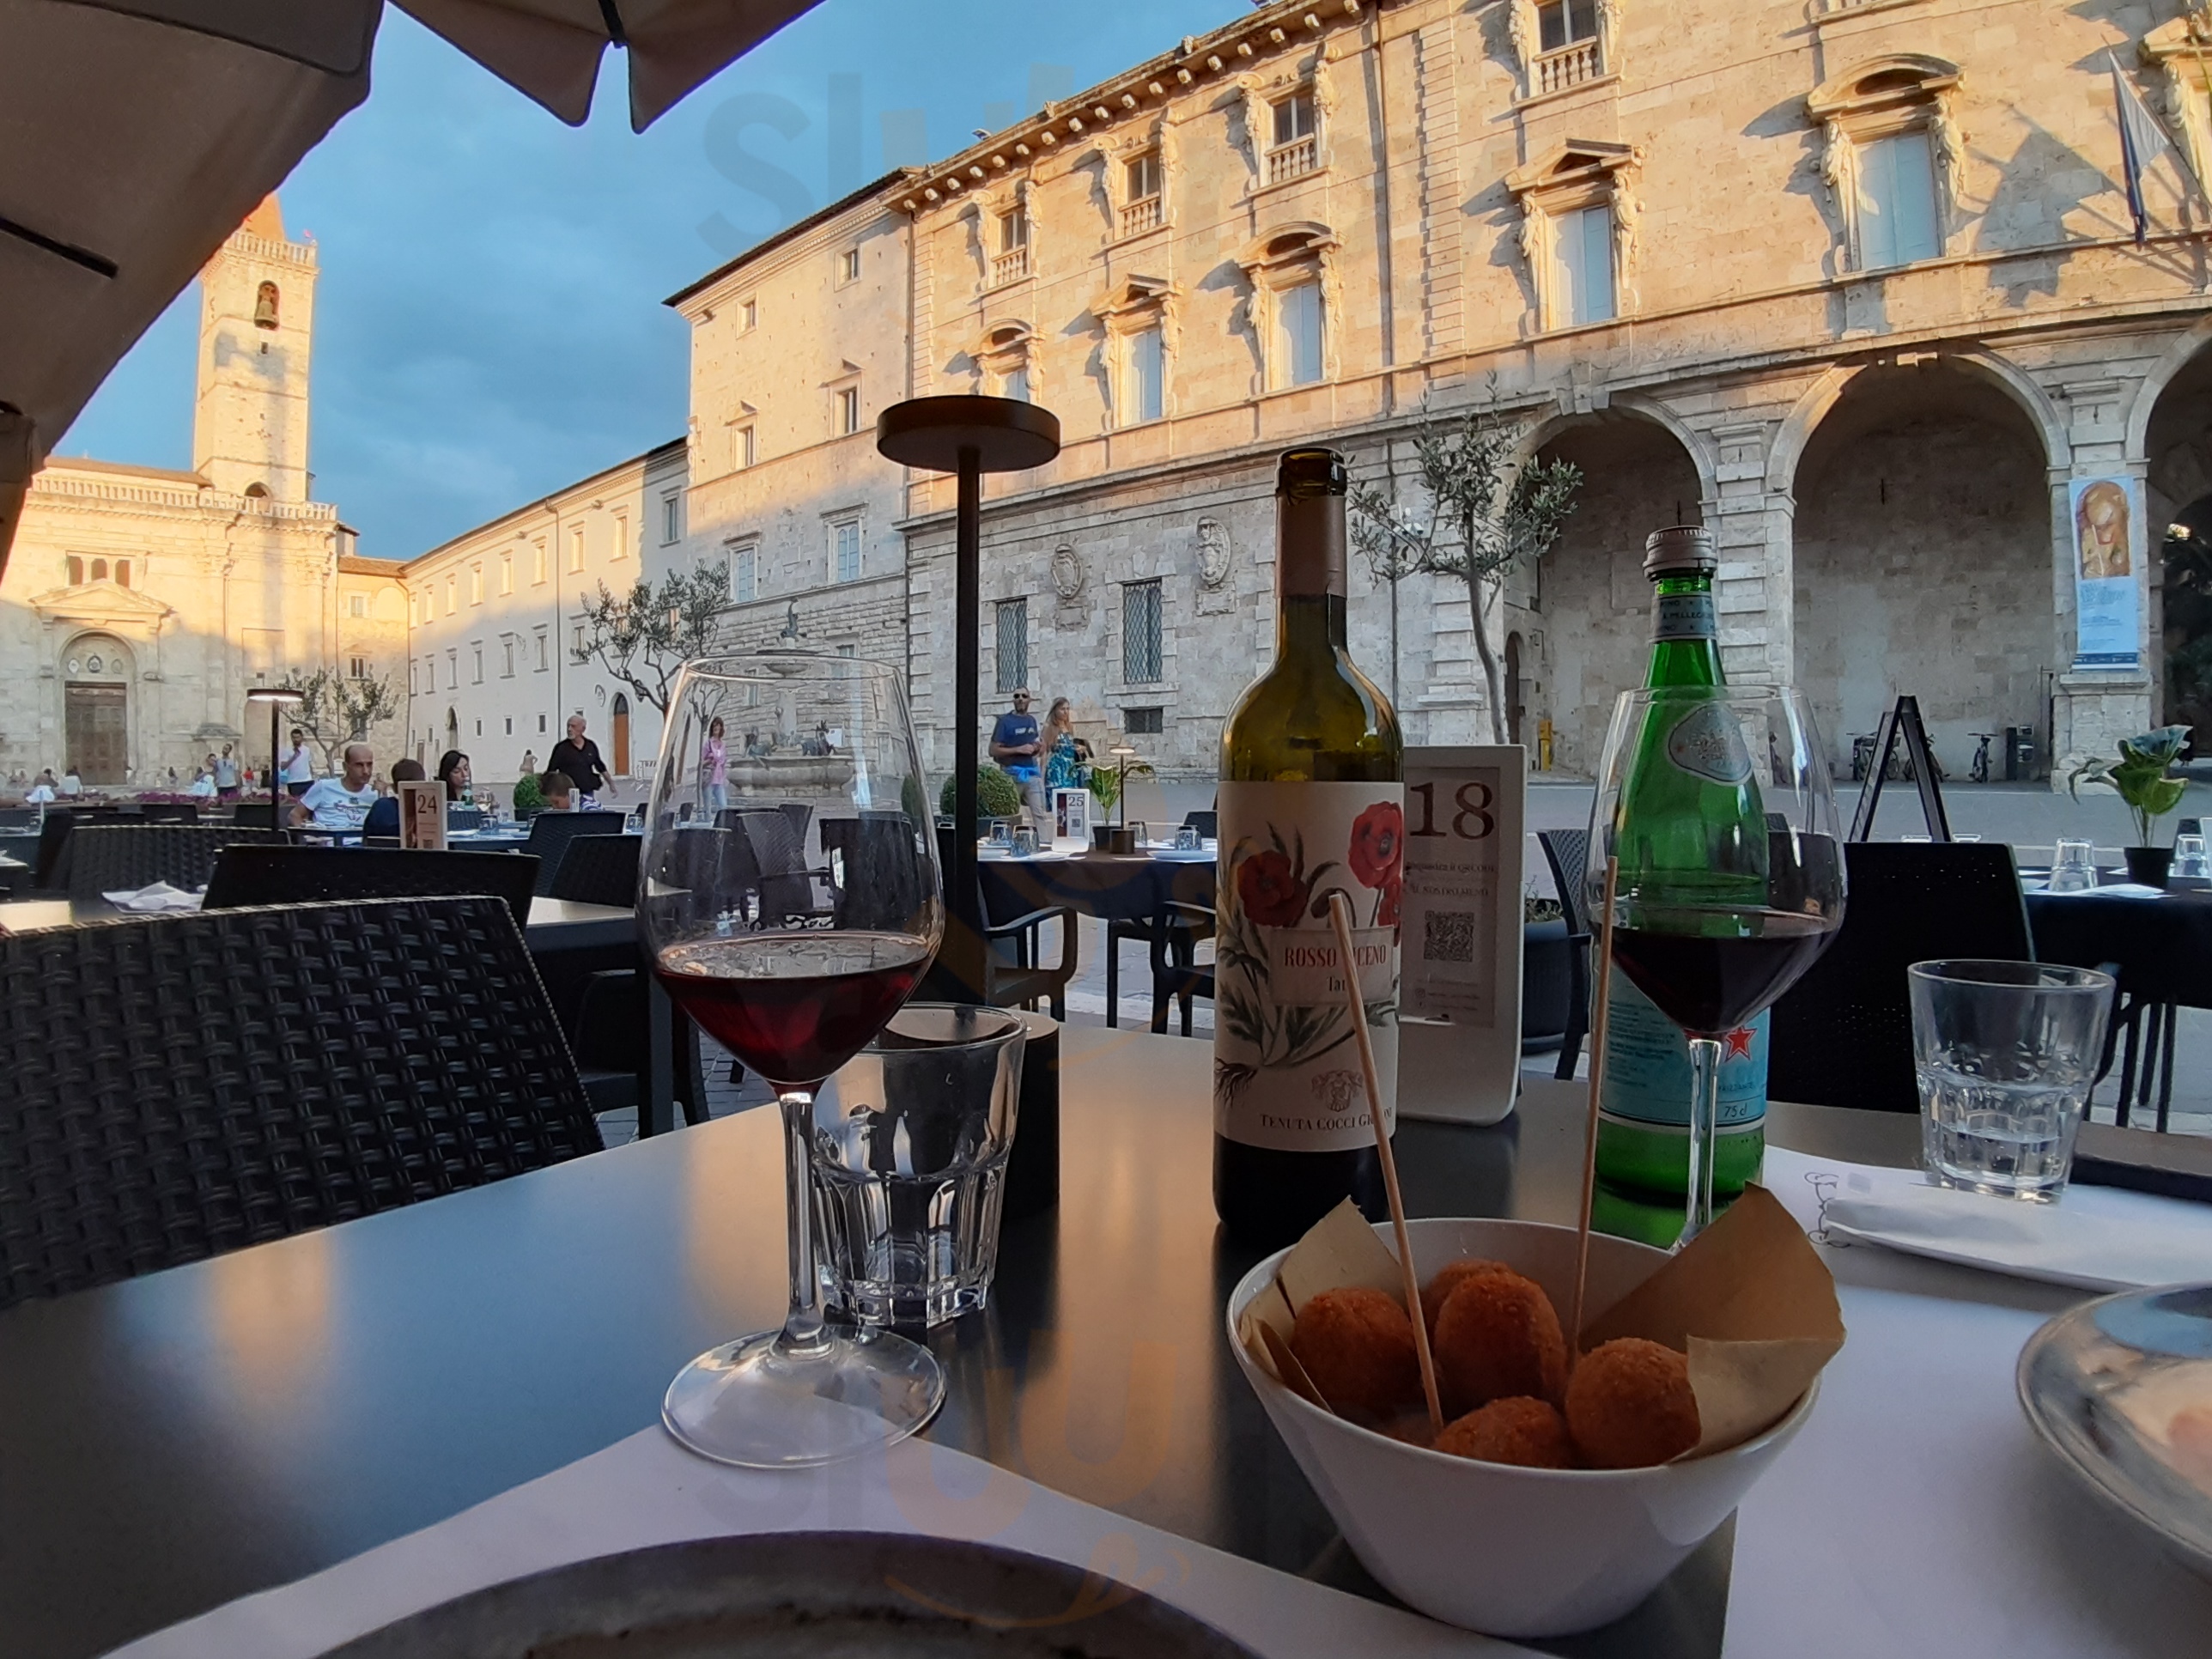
[[495, 622], [139, 605], [1852, 281]]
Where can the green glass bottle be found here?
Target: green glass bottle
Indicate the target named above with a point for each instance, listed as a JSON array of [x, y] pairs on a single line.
[[1311, 801], [1709, 835]]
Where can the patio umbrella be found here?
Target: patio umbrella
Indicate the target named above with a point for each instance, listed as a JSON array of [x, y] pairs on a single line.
[[136, 135]]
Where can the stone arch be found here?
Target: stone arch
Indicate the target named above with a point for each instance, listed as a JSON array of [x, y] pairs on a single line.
[[2176, 357], [2176, 447], [1921, 562], [1797, 427], [1584, 615]]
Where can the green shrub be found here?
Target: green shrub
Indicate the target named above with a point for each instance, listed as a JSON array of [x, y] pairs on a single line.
[[528, 797], [997, 795]]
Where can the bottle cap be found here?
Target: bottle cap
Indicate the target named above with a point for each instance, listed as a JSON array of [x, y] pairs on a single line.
[[1682, 549], [1312, 471]]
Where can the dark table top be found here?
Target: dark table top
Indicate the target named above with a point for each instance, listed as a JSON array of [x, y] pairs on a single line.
[[176, 1441], [555, 924]]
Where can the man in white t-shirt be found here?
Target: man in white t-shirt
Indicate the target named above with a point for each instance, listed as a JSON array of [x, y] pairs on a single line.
[[340, 803], [299, 765], [72, 784]]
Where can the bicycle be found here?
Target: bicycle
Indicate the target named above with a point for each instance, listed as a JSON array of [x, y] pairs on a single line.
[[1980, 771], [1862, 756]]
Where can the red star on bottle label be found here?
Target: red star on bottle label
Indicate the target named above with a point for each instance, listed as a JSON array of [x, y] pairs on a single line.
[[1739, 1044]]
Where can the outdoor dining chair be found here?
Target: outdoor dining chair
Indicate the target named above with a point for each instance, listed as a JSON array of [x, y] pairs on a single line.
[[599, 870], [417, 1057], [246, 875], [103, 858], [1177, 973], [551, 832], [1843, 1035], [1567, 851]]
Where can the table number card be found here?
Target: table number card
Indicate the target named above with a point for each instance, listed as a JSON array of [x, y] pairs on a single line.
[[1459, 992], [423, 816], [1071, 815]]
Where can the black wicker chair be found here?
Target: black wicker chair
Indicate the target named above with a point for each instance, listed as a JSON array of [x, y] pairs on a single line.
[[551, 832], [246, 875], [1567, 851], [417, 1057], [1843, 1035], [1177, 973], [599, 870], [102, 858]]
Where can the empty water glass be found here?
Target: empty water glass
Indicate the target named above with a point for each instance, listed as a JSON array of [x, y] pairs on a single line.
[[1002, 832], [2189, 856], [1187, 839], [2006, 1054], [910, 1144], [2074, 868]]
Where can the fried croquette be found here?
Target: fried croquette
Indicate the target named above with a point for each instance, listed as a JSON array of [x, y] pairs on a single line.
[[1497, 1335], [1358, 1346], [1515, 1430], [1629, 1404], [1449, 1279]]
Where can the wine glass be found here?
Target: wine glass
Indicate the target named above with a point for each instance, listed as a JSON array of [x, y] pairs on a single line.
[[794, 963], [1715, 802]]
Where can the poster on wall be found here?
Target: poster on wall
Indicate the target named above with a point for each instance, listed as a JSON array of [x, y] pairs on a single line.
[[2106, 517]]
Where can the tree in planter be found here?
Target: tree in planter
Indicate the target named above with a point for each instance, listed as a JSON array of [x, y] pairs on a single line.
[[336, 709], [645, 637], [1486, 516], [1106, 781]]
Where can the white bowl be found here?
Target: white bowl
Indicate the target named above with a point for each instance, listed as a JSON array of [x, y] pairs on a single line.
[[1491, 1547]]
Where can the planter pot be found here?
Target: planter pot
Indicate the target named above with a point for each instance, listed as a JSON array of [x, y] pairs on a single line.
[[1101, 837], [2148, 866], [1121, 840]]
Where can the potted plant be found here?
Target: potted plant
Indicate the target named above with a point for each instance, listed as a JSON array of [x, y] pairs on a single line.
[[2141, 778], [1106, 785], [997, 796], [529, 798]]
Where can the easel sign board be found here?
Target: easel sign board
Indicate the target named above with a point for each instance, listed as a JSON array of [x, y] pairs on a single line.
[[1459, 980]]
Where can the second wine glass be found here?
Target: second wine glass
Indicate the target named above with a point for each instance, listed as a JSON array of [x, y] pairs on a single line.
[[1716, 803], [793, 962]]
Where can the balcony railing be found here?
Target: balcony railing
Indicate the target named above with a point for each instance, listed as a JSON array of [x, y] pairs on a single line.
[[1570, 66], [1290, 161], [1011, 267], [1140, 216]]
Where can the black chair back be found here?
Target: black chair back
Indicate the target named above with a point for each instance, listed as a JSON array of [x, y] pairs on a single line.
[[18, 817], [124, 1151], [170, 812], [322, 875], [1843, 1035], [53, 837], [106, 858], [551, 832], [254, 815], [1204, 820], [464, 817], [1567, 851], [778, 849], [599, 870], [882, 855]]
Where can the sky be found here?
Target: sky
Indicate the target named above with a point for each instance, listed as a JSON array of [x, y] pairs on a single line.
[[488, 319]]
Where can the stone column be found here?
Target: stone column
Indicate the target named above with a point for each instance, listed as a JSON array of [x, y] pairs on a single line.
[[1755, 590], [2094, 708]]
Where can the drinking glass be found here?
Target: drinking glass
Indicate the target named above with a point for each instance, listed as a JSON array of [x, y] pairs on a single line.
[[793, 966], [1716, 805], [2189, 856], [2006, 1054], [911, 1140], [2074, 868]]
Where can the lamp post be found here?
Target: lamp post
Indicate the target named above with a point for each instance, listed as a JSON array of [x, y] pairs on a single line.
[[279, 698], [968, 436], [1123, 754]]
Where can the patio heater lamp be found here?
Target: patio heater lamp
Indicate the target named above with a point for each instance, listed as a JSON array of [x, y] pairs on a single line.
[[279, 698], [1123, 754], [967, 436]]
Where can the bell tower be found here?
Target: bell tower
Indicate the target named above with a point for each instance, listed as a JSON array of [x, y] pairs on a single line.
[[256, 329]]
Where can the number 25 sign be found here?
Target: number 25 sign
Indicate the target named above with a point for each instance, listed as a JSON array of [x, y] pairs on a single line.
[[1460, 980]]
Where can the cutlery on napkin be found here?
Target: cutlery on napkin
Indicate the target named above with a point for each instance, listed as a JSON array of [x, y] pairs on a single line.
[[2092, 1238]]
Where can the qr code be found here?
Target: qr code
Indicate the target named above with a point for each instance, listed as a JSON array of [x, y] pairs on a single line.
[[1448, 936]]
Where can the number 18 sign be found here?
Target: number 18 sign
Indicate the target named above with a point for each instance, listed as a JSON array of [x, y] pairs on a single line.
[[1458, 991]]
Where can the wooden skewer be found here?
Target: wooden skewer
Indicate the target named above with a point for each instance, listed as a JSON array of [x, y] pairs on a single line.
[[1339, 913], [1599, 997]]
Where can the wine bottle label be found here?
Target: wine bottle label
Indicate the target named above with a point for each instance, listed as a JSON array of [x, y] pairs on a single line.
[[1646, 1065], [1286, 1071], [1685, 616]]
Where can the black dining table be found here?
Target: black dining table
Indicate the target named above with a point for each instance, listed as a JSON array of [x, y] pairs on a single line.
[[1109, 887], [176, 1441]]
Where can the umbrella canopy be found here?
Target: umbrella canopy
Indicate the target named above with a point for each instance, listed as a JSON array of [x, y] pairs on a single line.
[[136, 135]]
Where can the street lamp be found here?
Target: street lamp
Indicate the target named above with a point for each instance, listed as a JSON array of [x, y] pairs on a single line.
[[279, 698]]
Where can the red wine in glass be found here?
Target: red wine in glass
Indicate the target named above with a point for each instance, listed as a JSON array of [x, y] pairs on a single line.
[[794, 1006], [1711, 971]]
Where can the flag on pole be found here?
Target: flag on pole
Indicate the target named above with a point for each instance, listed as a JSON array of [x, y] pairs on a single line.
[[2142, 141]]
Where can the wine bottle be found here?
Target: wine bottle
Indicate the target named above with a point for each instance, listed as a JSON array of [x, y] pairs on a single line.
[[1311, 802], [1643, 1135]]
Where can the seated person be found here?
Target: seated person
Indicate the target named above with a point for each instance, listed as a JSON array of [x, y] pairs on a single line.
[[559, 790], [383, 818], [202, 787], [340, 803]]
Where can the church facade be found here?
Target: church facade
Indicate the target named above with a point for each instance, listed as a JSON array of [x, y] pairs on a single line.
[[139, 605]]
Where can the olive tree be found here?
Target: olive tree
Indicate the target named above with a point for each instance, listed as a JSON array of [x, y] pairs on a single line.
[[645, 636]]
